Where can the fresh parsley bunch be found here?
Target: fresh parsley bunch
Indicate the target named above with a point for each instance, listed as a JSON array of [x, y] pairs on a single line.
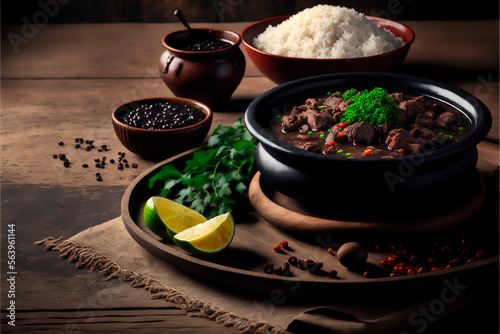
[[216, 179]]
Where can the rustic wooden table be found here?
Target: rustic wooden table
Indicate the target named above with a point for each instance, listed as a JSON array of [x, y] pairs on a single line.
[[62, 82]]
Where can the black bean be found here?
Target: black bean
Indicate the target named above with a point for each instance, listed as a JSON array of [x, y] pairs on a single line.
[[98, 165], [61, 143], [85, 166], [66, 164], [134, 165], [96, 159], [126, 166], [62, 156], [77, 146], [120, 166], [54, 156], [112, 161]]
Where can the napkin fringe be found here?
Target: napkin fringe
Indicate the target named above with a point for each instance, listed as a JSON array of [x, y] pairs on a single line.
[[86, 257]]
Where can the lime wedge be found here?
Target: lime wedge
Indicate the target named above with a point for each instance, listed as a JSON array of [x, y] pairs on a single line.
[[208, 238], [166, 218]]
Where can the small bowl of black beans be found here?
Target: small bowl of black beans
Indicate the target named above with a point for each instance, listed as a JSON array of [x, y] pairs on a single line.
[[161, 127]]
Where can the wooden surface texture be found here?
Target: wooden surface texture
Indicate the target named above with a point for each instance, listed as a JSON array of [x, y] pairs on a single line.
[[63, 84]]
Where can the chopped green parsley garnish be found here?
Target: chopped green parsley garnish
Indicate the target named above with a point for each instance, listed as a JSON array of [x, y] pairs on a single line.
[[373, 106]]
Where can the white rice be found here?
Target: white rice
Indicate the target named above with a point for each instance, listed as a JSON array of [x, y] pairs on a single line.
[[325, 31]]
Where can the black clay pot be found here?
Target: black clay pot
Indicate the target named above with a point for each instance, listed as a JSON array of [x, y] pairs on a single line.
[[210, 77], [439, 177]]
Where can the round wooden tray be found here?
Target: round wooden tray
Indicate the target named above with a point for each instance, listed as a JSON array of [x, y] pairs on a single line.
[[242, 262], [292, 216]]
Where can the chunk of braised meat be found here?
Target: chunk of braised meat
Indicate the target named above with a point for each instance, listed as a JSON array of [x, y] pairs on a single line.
[[297, 110], [334, 135], [293, 121], [303, 137], [398, 97], [418, 140], [383, 131], [424, 134], [360, 133], [404, 116], [309, 146], [344, 104], [425, 119], [397, 138], [415, 105], [318, 119], [333, 101], [337, 117], [448, 120], [304, 128], [330, 150], [312, 104]]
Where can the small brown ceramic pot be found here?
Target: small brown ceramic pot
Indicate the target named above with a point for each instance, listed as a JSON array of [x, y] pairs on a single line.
[[210, 77], [160, 144]]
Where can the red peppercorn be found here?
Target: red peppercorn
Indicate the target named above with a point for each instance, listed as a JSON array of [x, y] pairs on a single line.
[[330, 250], [393, 275], [277, 247], [413, 258], [410, 272], [385, 263], [377, 248], [367, 274], [401, 268], [284, 244], [436, 268], [401, 252], [392, 260], [332, 273], [431, 260], [455, 262], [480, 255], [421, 270]]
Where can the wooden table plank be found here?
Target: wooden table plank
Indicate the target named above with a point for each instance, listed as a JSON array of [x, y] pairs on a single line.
[[58, 116], [77, 51], [449, 51], [62, 87]]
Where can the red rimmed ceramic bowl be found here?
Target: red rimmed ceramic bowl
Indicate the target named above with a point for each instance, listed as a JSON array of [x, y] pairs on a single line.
[[160, 144], [282, 69]]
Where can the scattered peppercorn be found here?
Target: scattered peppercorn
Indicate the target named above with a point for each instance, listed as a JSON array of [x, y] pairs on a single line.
[[61, 143], [277, 248], [268, 268], [332, 273]]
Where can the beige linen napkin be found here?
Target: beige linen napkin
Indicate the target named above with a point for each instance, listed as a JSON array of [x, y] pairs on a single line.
[[109, 248]]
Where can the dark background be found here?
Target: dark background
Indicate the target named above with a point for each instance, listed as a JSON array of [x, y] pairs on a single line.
[[102, 11]]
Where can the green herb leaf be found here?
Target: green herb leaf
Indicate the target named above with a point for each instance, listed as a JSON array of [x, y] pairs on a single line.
[[215, 179]]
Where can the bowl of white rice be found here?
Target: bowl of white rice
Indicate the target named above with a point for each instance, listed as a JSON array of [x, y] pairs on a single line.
[[325, 39]]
